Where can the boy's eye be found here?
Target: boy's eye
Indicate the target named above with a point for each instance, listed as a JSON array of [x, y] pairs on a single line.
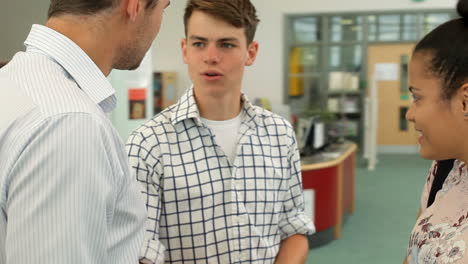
[[227, 45], [198, 44]]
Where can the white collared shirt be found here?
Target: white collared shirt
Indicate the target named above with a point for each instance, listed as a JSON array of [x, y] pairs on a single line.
[[203, 208], [66, 194]]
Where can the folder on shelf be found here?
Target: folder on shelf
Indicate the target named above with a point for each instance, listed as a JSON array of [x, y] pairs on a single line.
[[335, 81], [333, 105]]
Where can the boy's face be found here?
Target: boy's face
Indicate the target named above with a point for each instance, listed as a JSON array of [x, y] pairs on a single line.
[[216, 54]]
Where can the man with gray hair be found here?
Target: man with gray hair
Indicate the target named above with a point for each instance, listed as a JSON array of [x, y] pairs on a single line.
[[66, 194]]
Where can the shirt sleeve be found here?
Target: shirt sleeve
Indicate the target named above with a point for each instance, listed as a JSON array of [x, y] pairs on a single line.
[[61, 194], [148, 171], [293, 220]]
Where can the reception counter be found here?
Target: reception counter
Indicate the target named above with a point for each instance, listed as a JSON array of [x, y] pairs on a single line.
[[329, 177]]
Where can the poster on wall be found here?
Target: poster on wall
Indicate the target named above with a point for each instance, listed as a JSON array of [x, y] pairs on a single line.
[[157, 93], [164, 90], [387, 72], [168, 88], [137, 103]]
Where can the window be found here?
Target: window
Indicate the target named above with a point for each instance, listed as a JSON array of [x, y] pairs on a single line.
[[346, 28], [431, 21], [410, 27], [324, 45], [346, 58], [306, 30], [388, 27]]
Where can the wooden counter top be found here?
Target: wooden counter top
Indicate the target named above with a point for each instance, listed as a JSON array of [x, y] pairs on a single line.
[[328, 158]]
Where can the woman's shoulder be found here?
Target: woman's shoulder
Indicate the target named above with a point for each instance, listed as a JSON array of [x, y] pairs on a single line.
[[440, 234], [435, 241]]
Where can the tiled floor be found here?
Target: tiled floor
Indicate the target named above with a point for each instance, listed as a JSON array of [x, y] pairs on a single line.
[[387, 201]]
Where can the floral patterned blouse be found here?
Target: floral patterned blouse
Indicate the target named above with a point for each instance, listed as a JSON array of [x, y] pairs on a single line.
[[440, 234]]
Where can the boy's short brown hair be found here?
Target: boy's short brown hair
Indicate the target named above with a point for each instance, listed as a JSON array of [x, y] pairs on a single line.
[[238, 13]]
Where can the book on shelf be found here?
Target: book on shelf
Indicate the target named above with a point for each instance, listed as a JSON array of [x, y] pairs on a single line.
[[333, 105], [350, 105], [343, 81]]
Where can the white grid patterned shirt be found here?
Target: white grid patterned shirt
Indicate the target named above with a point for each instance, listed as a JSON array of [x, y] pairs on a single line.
[[203, 209]]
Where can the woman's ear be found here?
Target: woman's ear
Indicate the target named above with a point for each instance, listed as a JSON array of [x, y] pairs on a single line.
[[464, 98]]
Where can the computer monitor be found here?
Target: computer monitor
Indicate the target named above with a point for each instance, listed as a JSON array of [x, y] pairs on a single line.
[[314, 137]]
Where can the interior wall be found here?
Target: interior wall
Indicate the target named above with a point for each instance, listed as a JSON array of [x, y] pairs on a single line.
[[16, 18], [265, 78], [166, 49]]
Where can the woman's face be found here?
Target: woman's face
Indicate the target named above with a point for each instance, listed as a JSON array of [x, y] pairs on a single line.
[[439, 121]]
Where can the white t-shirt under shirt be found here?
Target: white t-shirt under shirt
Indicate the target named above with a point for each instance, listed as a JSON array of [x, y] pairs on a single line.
[[226, 133]]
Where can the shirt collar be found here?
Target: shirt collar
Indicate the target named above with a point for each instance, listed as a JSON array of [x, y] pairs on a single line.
[[75, 61], [186, 108], [253, 113]]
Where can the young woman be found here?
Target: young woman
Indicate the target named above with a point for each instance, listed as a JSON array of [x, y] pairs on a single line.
[[439, 85]]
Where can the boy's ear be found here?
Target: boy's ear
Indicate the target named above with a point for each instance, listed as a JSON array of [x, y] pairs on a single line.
[[183, 46], [252, 51]]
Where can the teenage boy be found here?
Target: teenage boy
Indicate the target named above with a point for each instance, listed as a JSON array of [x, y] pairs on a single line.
[[221, 177]]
